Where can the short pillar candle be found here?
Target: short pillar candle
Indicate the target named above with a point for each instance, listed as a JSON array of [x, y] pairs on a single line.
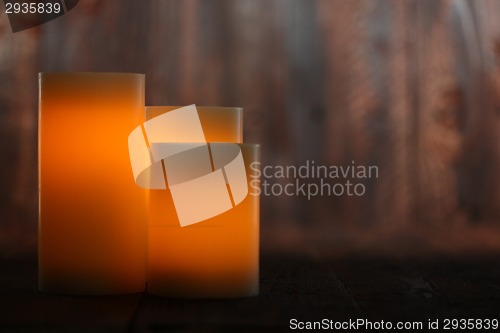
[[218, 257]]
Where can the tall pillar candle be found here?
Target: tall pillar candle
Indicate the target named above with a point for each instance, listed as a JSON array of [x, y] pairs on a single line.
[[217, 257], [92, 222]]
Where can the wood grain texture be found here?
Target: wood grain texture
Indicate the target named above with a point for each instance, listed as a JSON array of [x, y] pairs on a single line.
[[308, 287], [410, 86]]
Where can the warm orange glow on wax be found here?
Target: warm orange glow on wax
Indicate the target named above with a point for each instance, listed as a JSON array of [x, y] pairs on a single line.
[[92, 227], [216, 258]]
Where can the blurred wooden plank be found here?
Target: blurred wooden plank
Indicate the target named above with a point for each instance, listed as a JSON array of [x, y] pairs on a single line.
[[301, 286], [410, 86], [24, 309], [423, 287], [476, 32], [291, 287], [470, 285], [389, 289]]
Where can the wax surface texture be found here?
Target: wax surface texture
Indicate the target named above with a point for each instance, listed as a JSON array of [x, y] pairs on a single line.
[[218, 257], [92, 222]]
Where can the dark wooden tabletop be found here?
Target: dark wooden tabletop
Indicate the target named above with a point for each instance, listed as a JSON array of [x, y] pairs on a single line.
[[307, 287]]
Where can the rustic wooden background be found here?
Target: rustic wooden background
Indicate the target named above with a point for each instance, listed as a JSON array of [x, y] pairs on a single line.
[[411, 86]]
